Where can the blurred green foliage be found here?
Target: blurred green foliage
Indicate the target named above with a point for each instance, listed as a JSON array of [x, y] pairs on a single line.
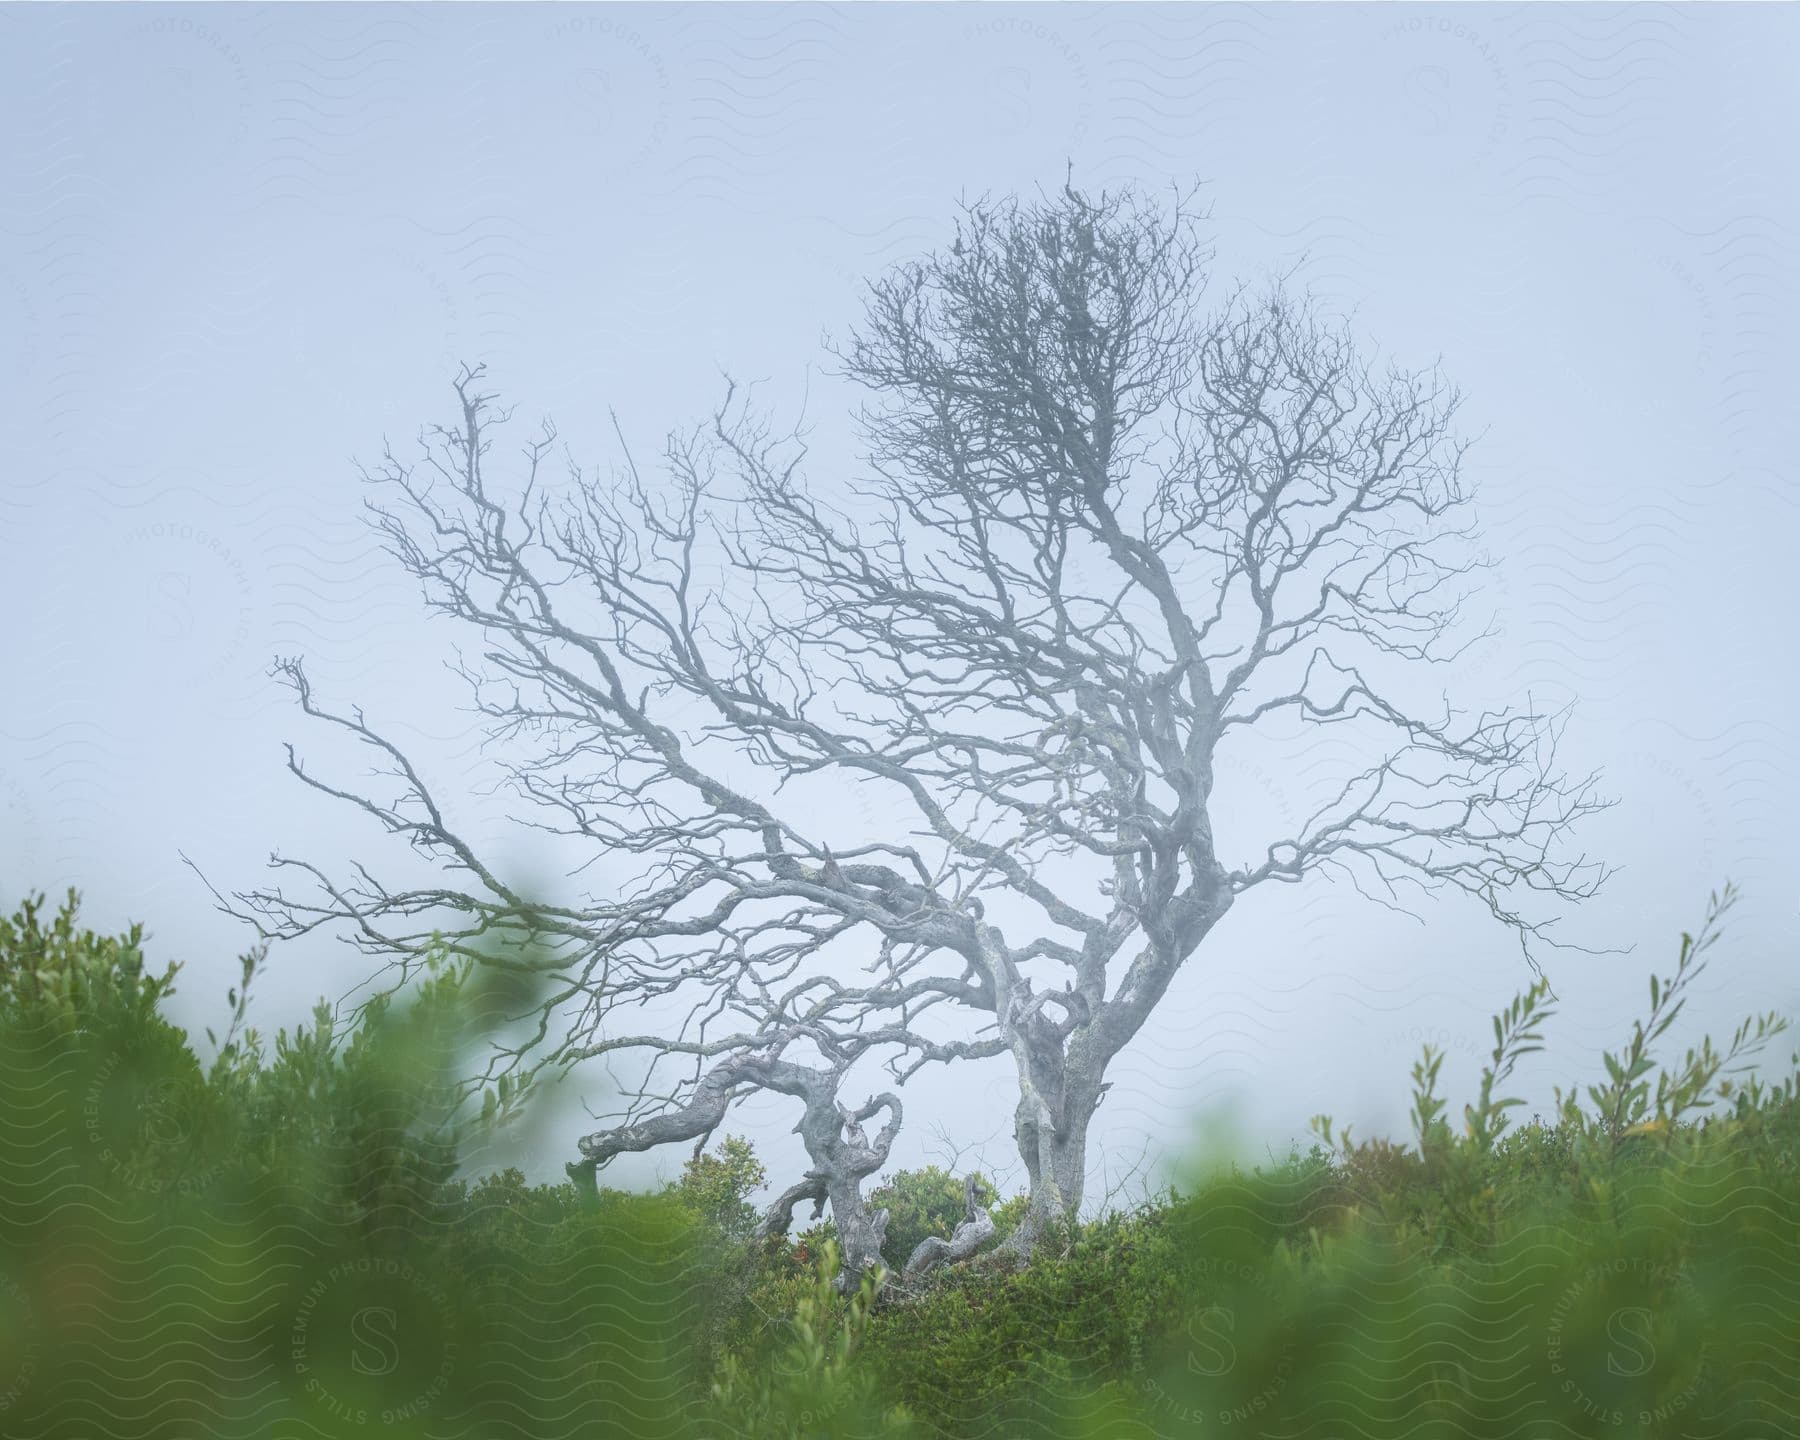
[[806, 1381], [285, 1241], [278, 1244]]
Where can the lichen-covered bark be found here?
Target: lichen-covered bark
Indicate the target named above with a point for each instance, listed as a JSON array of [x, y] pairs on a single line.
[[843, 1157], [1062, 1058], [778, 1219], [968, 1239], [842, 1154]]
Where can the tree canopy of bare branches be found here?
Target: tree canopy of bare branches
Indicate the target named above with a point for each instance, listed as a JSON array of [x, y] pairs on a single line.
[[1103, 527]]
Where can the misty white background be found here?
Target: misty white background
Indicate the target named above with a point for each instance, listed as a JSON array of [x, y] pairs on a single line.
[[238, 247]]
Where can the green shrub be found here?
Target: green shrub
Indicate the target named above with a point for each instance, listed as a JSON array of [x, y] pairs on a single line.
[[808, 1382], [717, 1187], [278, 1244], [231, 1249], [921, 1203]]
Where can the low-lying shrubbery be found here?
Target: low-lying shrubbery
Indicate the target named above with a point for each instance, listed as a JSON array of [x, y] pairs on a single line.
[[283, 1241]]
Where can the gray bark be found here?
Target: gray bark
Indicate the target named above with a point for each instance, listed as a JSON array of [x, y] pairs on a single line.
[[842, 1153], [1105, 532], [779, 1218], [968, 1239]]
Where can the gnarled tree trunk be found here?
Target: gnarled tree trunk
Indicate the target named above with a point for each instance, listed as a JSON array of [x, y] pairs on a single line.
[[843, 1157], [842, 1154], [968, 1239]]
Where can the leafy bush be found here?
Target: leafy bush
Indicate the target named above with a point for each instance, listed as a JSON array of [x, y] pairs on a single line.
[[982, 1342], [718, 1187], [278, 1244], [923, 1202], [808, 1384], [281, 1242]]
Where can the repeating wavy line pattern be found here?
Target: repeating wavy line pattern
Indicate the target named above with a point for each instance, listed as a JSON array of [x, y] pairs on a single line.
[[219, 1304], [238, 250]]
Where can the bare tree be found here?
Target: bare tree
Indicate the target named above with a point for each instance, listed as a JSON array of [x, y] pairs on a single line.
[[843, 1156], [1103, 536], [840, 1149]]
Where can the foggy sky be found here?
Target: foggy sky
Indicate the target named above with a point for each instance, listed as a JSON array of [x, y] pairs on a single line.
[[238, 247]]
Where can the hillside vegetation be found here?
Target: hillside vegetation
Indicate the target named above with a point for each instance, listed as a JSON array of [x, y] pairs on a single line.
[[285, 1240]]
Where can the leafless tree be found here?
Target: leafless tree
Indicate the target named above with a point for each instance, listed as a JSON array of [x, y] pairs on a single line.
[[760, 1059], [843, 1156], [1103, 534]]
